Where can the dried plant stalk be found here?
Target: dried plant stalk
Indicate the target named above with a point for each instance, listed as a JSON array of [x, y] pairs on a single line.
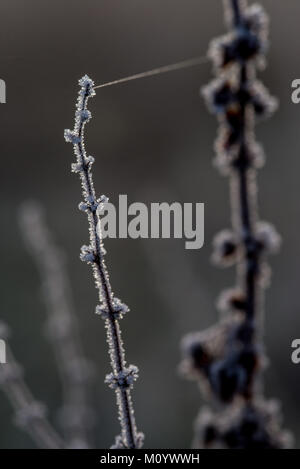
[[75, 371], [30, 415], [110, 308], [228, 359]]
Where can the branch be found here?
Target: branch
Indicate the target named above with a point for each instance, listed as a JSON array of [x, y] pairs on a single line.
[[30, 415], [110, 308], [229, 358], [62, 328]]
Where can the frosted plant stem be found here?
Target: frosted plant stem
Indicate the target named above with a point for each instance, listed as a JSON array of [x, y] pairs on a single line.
[[229, 357], [245, 210], [62, 328], [246, 217], [110, 308], [30, 415]]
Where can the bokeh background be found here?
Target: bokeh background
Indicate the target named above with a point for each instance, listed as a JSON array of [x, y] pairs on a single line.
[[152, 140]]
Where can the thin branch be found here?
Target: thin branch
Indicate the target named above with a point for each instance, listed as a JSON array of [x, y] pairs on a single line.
[[229, 357], [30, 415], [62, 328], [110, 308]]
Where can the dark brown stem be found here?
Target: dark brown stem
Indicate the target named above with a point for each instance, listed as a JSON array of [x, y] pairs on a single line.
[[251, 261]]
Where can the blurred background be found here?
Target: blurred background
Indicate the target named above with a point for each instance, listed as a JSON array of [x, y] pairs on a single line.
[[153, 140]]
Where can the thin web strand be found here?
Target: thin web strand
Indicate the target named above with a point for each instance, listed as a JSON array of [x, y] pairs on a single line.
[[158, 71]]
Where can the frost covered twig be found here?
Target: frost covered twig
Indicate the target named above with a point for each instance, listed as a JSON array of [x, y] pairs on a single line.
[[229, 357], [110, 308], [62, 328], [30, 415]]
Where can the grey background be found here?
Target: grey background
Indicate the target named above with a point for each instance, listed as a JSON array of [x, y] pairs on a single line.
[[152, 140]]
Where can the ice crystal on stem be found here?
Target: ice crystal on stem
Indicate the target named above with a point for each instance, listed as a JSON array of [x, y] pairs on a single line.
[[110, 309], [229, 357]]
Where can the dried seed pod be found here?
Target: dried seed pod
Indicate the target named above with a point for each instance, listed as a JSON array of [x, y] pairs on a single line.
[[232, 299], [225, 248]]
